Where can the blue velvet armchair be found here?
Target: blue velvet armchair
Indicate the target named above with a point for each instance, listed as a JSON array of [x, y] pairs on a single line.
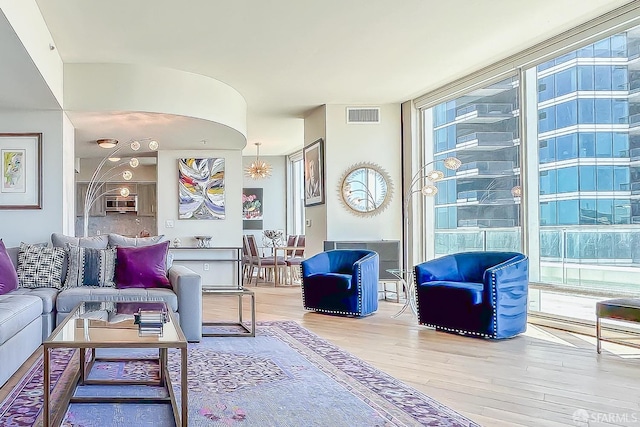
[[341, 281], [475, 293]]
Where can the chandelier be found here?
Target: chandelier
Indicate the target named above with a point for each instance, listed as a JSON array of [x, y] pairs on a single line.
[[258, 169]]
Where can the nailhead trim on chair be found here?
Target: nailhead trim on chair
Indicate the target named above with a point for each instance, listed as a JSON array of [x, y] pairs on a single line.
[[460, 331], [359, 288], [349, 313], [494, 299]]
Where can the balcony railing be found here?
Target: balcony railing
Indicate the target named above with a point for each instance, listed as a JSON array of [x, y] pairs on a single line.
[[489, 197], [485, 109], [501, 139], [499, 167]]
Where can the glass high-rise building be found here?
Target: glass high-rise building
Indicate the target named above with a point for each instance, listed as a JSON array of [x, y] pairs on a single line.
[[585, 106]]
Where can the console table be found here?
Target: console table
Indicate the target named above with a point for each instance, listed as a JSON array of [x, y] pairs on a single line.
[[231, 254]]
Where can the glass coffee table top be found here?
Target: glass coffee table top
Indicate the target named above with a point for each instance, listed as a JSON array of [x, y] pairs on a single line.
[[97, 324]]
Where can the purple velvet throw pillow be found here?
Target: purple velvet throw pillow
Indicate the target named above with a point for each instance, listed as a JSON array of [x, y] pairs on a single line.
[[8, 274], [142, 267]]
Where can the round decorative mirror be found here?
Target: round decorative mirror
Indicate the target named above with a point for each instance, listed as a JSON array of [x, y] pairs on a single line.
[[365, 189]]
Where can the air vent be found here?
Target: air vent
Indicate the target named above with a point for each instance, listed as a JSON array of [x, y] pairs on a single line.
[[363, 115]]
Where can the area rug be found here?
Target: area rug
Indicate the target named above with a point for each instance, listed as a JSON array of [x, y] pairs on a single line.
[[285, 376]]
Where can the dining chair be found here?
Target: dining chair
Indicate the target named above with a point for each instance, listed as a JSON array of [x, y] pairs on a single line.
[[263, 263], [297, 256], [246, 259]]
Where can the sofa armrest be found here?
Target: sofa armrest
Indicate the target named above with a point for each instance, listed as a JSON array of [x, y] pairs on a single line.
[[187, 285]]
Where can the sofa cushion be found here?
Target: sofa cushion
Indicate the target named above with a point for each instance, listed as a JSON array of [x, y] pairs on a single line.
[[40, 267], [96, 242], [68, 299], [116, 240], [16, 312], [8, 274], [142, 267], [90, 267], [47, 295]]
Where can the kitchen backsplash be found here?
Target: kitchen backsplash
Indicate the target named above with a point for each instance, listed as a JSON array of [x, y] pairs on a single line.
[[128, 224]]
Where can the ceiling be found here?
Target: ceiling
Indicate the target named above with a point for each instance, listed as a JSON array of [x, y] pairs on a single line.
[[286, 57]]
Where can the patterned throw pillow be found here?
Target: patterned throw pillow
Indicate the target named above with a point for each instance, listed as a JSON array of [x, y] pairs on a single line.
[[40, 267], [90, 267]]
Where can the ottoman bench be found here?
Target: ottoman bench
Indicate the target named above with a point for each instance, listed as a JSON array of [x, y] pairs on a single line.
[[626, 309]]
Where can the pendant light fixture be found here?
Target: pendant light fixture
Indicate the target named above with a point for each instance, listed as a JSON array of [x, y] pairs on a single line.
[[258, 169]]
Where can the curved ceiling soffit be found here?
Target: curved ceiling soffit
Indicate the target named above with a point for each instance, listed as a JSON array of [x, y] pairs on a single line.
[[136, 88]]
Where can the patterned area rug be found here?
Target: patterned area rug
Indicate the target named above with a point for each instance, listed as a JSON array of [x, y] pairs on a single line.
[[285, 376]]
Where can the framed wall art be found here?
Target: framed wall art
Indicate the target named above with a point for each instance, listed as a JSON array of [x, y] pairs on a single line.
[[201, 188], [21, 170], [252, 208], [314, 173]]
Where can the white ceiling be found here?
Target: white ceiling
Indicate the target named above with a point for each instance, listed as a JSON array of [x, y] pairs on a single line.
[[287, 57]]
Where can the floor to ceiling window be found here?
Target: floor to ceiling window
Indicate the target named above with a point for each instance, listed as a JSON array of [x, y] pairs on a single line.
[[581, 137], [477, 207], [295, 193], [589, 166]]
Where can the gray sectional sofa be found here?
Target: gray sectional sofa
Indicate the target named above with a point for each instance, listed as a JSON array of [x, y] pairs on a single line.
[[28, 316]]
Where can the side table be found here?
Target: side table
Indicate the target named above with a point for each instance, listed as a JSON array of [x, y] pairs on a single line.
[[240, 293], [406, 278]]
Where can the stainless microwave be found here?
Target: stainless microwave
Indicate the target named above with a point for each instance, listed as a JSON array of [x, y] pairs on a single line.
[[121, 204]]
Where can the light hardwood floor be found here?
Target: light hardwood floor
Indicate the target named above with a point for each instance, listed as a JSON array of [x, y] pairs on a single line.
[[537, 379]]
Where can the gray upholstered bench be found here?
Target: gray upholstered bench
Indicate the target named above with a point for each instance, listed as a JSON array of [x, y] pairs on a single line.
[[626, 309]]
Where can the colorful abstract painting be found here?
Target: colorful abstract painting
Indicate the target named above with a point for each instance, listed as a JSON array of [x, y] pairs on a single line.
[[13, 172], [252, 205], [201, 188]]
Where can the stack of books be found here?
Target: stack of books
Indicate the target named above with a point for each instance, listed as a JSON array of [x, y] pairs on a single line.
[[150, 322]]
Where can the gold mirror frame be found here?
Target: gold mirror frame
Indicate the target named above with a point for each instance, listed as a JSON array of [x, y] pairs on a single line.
[[377, 203]]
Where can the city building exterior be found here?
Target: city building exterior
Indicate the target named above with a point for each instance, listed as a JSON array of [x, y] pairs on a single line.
[[585, 107]]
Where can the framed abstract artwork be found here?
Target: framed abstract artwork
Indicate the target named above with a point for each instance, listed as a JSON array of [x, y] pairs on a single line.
[[21, 169], [314, 173], [252, 208], [201, 188]]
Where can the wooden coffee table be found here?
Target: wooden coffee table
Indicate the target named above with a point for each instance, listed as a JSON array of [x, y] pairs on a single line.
[[93, 325]]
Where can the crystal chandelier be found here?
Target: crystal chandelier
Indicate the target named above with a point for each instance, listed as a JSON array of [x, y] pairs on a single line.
[[258, 169]]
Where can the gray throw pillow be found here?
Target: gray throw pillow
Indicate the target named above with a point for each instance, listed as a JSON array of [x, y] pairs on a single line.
[[116, 240], [40, 267], [97, 242]]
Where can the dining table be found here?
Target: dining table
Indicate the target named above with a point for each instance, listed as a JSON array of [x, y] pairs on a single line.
[[284, 249]]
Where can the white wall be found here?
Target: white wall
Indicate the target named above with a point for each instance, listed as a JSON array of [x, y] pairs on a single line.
[[36, 225], [274, 195], [347, 144], [315, 126], [68, 176], [226, 233]]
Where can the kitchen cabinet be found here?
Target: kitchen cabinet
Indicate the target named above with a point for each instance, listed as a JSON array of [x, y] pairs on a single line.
[[98, 208], [146, 199]]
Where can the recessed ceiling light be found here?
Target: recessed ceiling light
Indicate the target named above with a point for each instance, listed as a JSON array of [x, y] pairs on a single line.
[[107, 142]]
